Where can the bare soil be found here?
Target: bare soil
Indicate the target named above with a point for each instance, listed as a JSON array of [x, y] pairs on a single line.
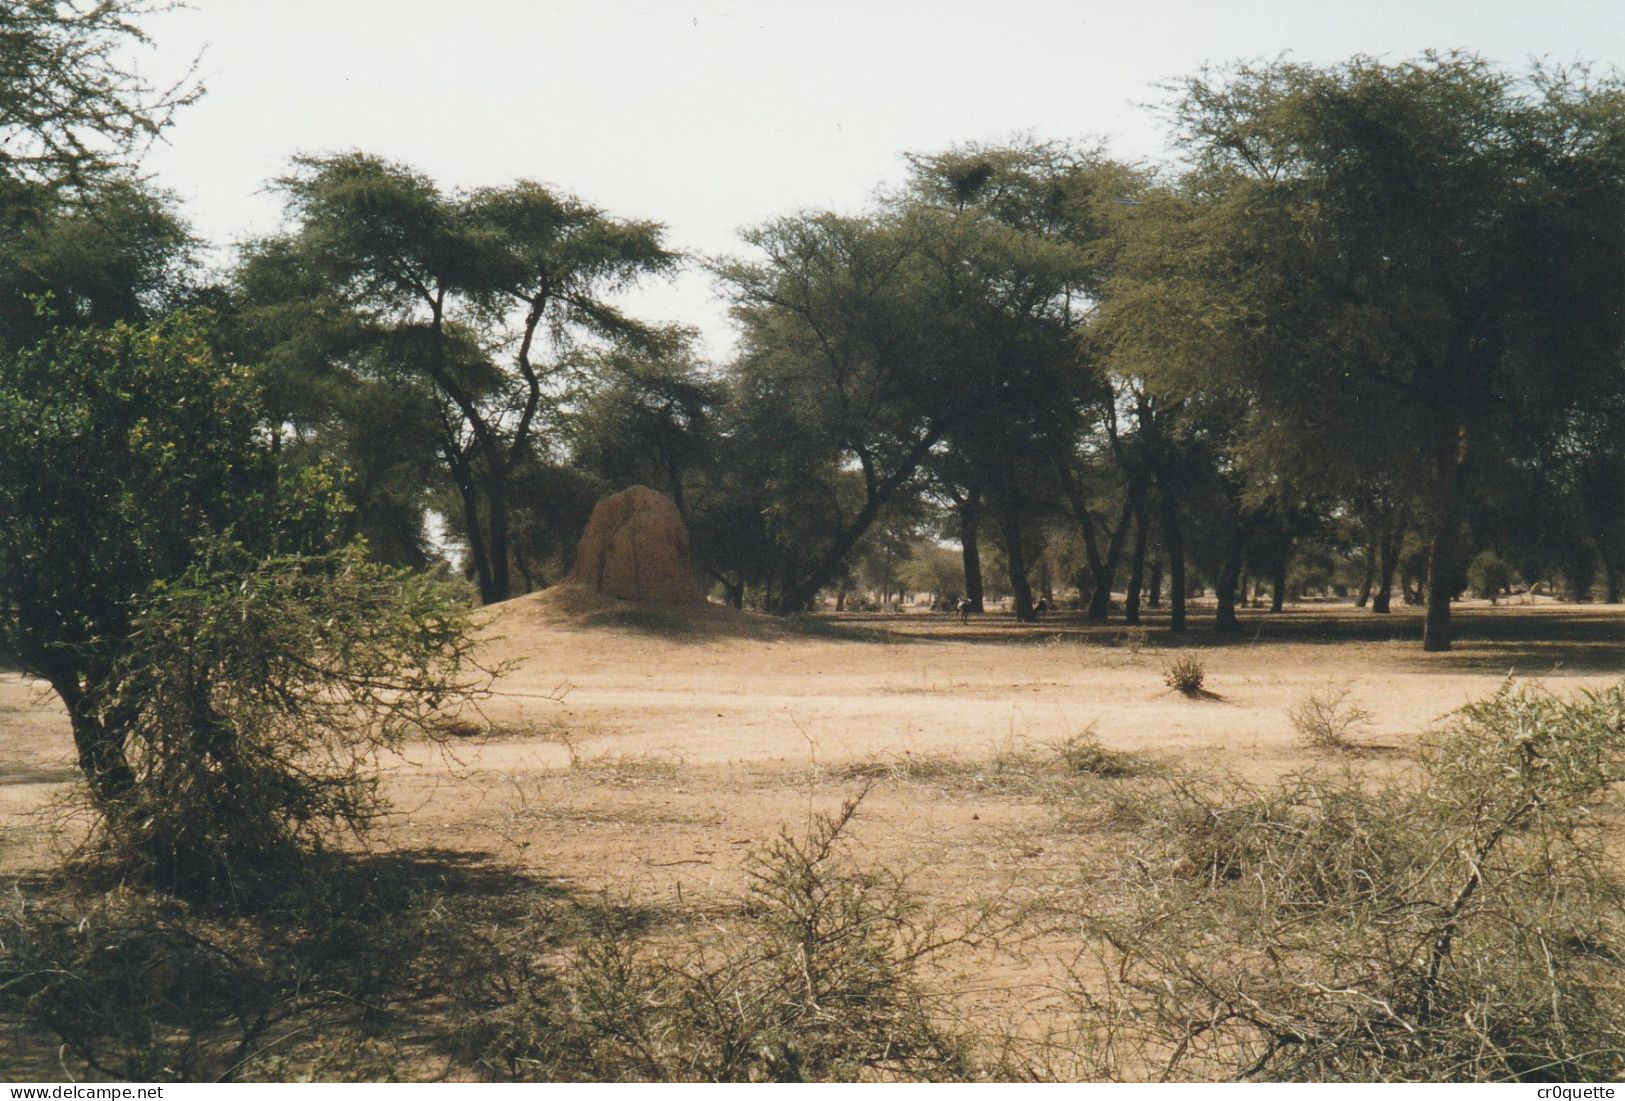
[[644, 753]]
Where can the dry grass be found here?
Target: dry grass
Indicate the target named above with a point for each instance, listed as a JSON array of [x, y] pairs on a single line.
[[1185, 674], [1328, 929], [1045, 770], [1327, 719]]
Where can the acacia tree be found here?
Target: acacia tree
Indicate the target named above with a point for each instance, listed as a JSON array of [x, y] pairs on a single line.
[[645, 418], [81, 240], [837, 349], [117, 252], [487, 296], [1408, 259], [72, 109], [1019, 239]]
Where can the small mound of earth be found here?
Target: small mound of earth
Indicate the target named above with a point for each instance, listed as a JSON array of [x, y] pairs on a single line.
[[575, 607], [633, 573]]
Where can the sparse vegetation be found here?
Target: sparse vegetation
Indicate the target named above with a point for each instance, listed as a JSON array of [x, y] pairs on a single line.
[[816, 979], [1185, 674], [254, 696], [815, 976], [1468, 930], [1083, 753], [1134, 642], [1464, 928], [1015, 767], [1327, 719]]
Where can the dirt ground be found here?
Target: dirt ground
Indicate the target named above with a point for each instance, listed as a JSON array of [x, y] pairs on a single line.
[[646, 754]]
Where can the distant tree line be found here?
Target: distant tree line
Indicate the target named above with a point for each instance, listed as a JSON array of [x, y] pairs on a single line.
[[1367, 334]]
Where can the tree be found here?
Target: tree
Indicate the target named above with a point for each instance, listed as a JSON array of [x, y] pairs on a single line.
[[227, 668], [117, 252], [336, 393], [1395, 264], [1019, 240], [127, 447], [486, 296], [637, 417], [72, 109], [837, 349]]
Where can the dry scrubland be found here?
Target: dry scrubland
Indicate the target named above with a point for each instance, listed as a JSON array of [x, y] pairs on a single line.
[[641, 763]]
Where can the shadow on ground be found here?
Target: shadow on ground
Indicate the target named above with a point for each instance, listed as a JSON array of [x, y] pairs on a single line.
[[1530, 642], [366, 968]]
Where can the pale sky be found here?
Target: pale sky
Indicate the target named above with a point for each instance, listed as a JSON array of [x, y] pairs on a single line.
[[712, 115]]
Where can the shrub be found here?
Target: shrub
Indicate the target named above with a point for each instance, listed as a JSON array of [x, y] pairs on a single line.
[[344, 976], [131, 988], [129, 450], [1135, 640], [817, 980], [255, 695], [1184, 673], [1083, 753], [1488, 575], [1325, 718], [1468, 930]]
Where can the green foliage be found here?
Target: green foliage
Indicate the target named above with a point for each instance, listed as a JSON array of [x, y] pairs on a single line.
[[117, 252], [254, 697], [1488, 575], [839, 347], [125, 446], [933, 568], [1468, 930], [144, 498], [1364, 253], [72, 105]]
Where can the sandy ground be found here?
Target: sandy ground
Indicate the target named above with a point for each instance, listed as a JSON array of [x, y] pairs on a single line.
[[647, 754], [703, 729]]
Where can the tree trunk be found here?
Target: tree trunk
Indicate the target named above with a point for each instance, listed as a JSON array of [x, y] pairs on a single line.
[[1225, 591], [1156, 583], [99, 741], [1136, 571], [1020, 591], [1442, 549], [1387, 563], [1278, 584], [476, 542], [1085, 584], [1100, 590], [497, 505], [970, 518], [1370, 574], [1174, 539], [1100, 602]]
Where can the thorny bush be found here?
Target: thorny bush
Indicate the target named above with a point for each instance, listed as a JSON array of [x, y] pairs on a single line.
[[257, 695], [1467, 929], [817, 980]]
